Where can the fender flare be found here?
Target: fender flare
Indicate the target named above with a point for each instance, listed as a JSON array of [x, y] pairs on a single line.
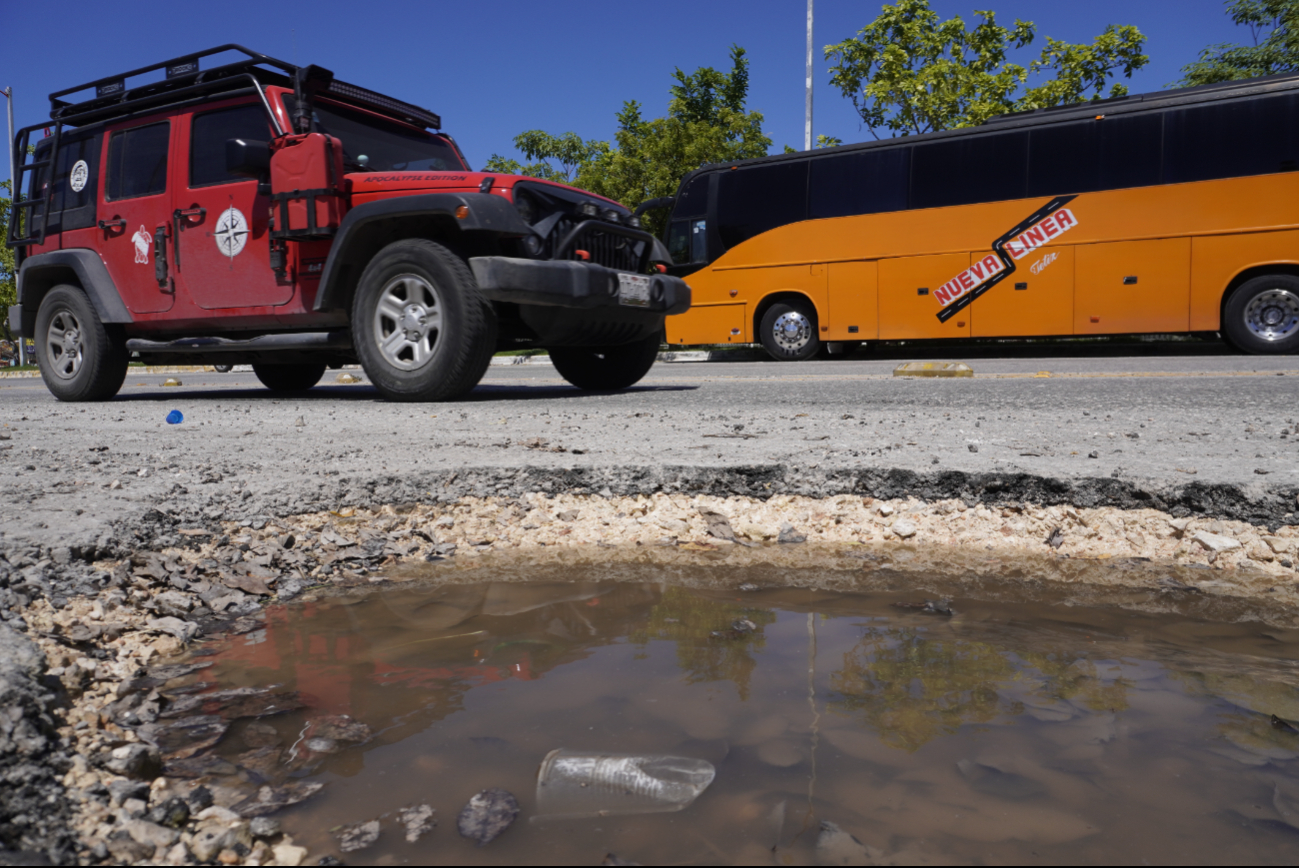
[[42, 272], [487, 213]]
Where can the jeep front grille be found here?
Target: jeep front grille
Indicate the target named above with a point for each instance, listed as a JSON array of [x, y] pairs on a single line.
[[607, 249]]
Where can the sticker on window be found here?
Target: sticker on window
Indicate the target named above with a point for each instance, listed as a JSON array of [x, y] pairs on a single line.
[[78, 176]]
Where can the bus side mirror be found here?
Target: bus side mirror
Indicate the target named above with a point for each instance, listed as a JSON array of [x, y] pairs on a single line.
[[247, 158]]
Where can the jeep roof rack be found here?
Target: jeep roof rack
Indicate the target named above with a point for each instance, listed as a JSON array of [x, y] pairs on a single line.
[[186, 79]]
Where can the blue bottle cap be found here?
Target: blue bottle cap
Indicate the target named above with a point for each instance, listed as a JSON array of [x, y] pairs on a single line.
[[175, 418]]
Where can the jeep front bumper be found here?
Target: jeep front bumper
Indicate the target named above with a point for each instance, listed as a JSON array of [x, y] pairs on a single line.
[[580, 285]]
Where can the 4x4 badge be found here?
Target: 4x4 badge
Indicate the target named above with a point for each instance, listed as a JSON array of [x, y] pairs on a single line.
[[231, 232]]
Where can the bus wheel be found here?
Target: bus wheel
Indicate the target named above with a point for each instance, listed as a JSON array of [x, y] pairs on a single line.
[[1262, 316], [788, 332], [606, 369]]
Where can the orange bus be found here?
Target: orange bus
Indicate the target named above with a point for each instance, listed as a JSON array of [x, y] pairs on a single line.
[[1175, 211]]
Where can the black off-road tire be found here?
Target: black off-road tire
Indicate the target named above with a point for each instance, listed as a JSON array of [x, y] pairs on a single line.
[[289, 378], [779, 342], [88, 360], [1262, 316], [416, 278], [606, 369]]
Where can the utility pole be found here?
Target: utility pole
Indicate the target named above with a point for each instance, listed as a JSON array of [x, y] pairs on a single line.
[[13, 194], [807, 129]]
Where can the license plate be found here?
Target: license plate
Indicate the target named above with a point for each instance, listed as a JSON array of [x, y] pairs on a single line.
[[634, 289]]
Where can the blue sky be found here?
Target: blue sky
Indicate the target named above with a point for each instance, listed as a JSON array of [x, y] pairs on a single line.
[[495, 69]]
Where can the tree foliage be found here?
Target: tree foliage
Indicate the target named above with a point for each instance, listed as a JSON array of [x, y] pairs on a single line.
[[910, 72], [1274, 31], [8, 275], [707, 122]]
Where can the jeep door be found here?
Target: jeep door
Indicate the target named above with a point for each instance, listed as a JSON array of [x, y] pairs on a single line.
[[136, 213], [223, 246]]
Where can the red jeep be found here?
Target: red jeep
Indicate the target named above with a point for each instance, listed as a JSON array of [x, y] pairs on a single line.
[[255, 212]]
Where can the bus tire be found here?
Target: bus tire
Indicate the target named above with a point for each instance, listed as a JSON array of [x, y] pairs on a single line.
[[1262, 316], [421, 328], [606, 369], [80, 358], [789, 332], [289, 378]]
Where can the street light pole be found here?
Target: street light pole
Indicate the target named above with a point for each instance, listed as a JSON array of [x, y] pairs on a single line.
[[807, 129], [13, 191]]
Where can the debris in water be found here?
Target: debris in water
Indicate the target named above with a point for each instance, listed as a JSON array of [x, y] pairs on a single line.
[[748, 586], [1284, 726], [739, 628], [271, 799], [1169, 584], [995, 782], [357, 836], [834, 846], [932, 607], [1055, 539], [575, 784], [418, 820], [487, 815]]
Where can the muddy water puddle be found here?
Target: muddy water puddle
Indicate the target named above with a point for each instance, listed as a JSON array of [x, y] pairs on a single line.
[[1005, 732]]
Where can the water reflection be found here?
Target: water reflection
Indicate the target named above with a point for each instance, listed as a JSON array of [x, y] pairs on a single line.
[[1006, 733], [910, 688]]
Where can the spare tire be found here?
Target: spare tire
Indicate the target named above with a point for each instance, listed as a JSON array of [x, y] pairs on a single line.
[[606, 369]]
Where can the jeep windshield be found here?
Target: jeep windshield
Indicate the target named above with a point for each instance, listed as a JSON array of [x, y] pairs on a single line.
[[374, 144]]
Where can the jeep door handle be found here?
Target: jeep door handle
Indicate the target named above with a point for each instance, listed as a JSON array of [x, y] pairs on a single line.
[[114, 224], [176, 226]]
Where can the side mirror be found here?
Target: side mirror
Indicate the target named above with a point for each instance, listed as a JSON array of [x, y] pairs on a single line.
[[248, 158]]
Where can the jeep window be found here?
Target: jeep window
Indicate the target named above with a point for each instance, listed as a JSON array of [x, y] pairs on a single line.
[[207, 141], [373, 143], [137, 161]]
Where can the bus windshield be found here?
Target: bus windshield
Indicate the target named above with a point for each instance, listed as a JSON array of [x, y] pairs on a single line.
[[372, 143]]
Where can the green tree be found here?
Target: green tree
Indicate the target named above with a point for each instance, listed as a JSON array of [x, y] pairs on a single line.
[[1274, 32], [552, 158], [8, 282], [707, 122], [910, 72]]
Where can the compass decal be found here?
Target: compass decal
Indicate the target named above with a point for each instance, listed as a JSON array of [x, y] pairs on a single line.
[[231, 232]]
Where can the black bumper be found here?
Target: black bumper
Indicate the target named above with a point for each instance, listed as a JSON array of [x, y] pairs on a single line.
[[16, 320], [580, 285]]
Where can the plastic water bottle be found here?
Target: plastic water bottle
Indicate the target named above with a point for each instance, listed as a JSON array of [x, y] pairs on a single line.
[[579, 784], [175, 417]]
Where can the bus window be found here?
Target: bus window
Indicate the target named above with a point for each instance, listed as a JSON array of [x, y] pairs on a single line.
[[698, 240], [679, 241], [688, 241], [1110, 154], [692, 201], [1231, 139], [751, 201], [966, 170], [867, 182]]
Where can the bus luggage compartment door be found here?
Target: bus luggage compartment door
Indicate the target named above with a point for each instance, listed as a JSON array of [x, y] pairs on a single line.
[[1037, 299], [908, 308], [708, 324], [1133, 287], [853, 302]]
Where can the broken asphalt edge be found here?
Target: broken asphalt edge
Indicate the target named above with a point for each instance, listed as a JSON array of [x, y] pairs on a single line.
[[33, 812]]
